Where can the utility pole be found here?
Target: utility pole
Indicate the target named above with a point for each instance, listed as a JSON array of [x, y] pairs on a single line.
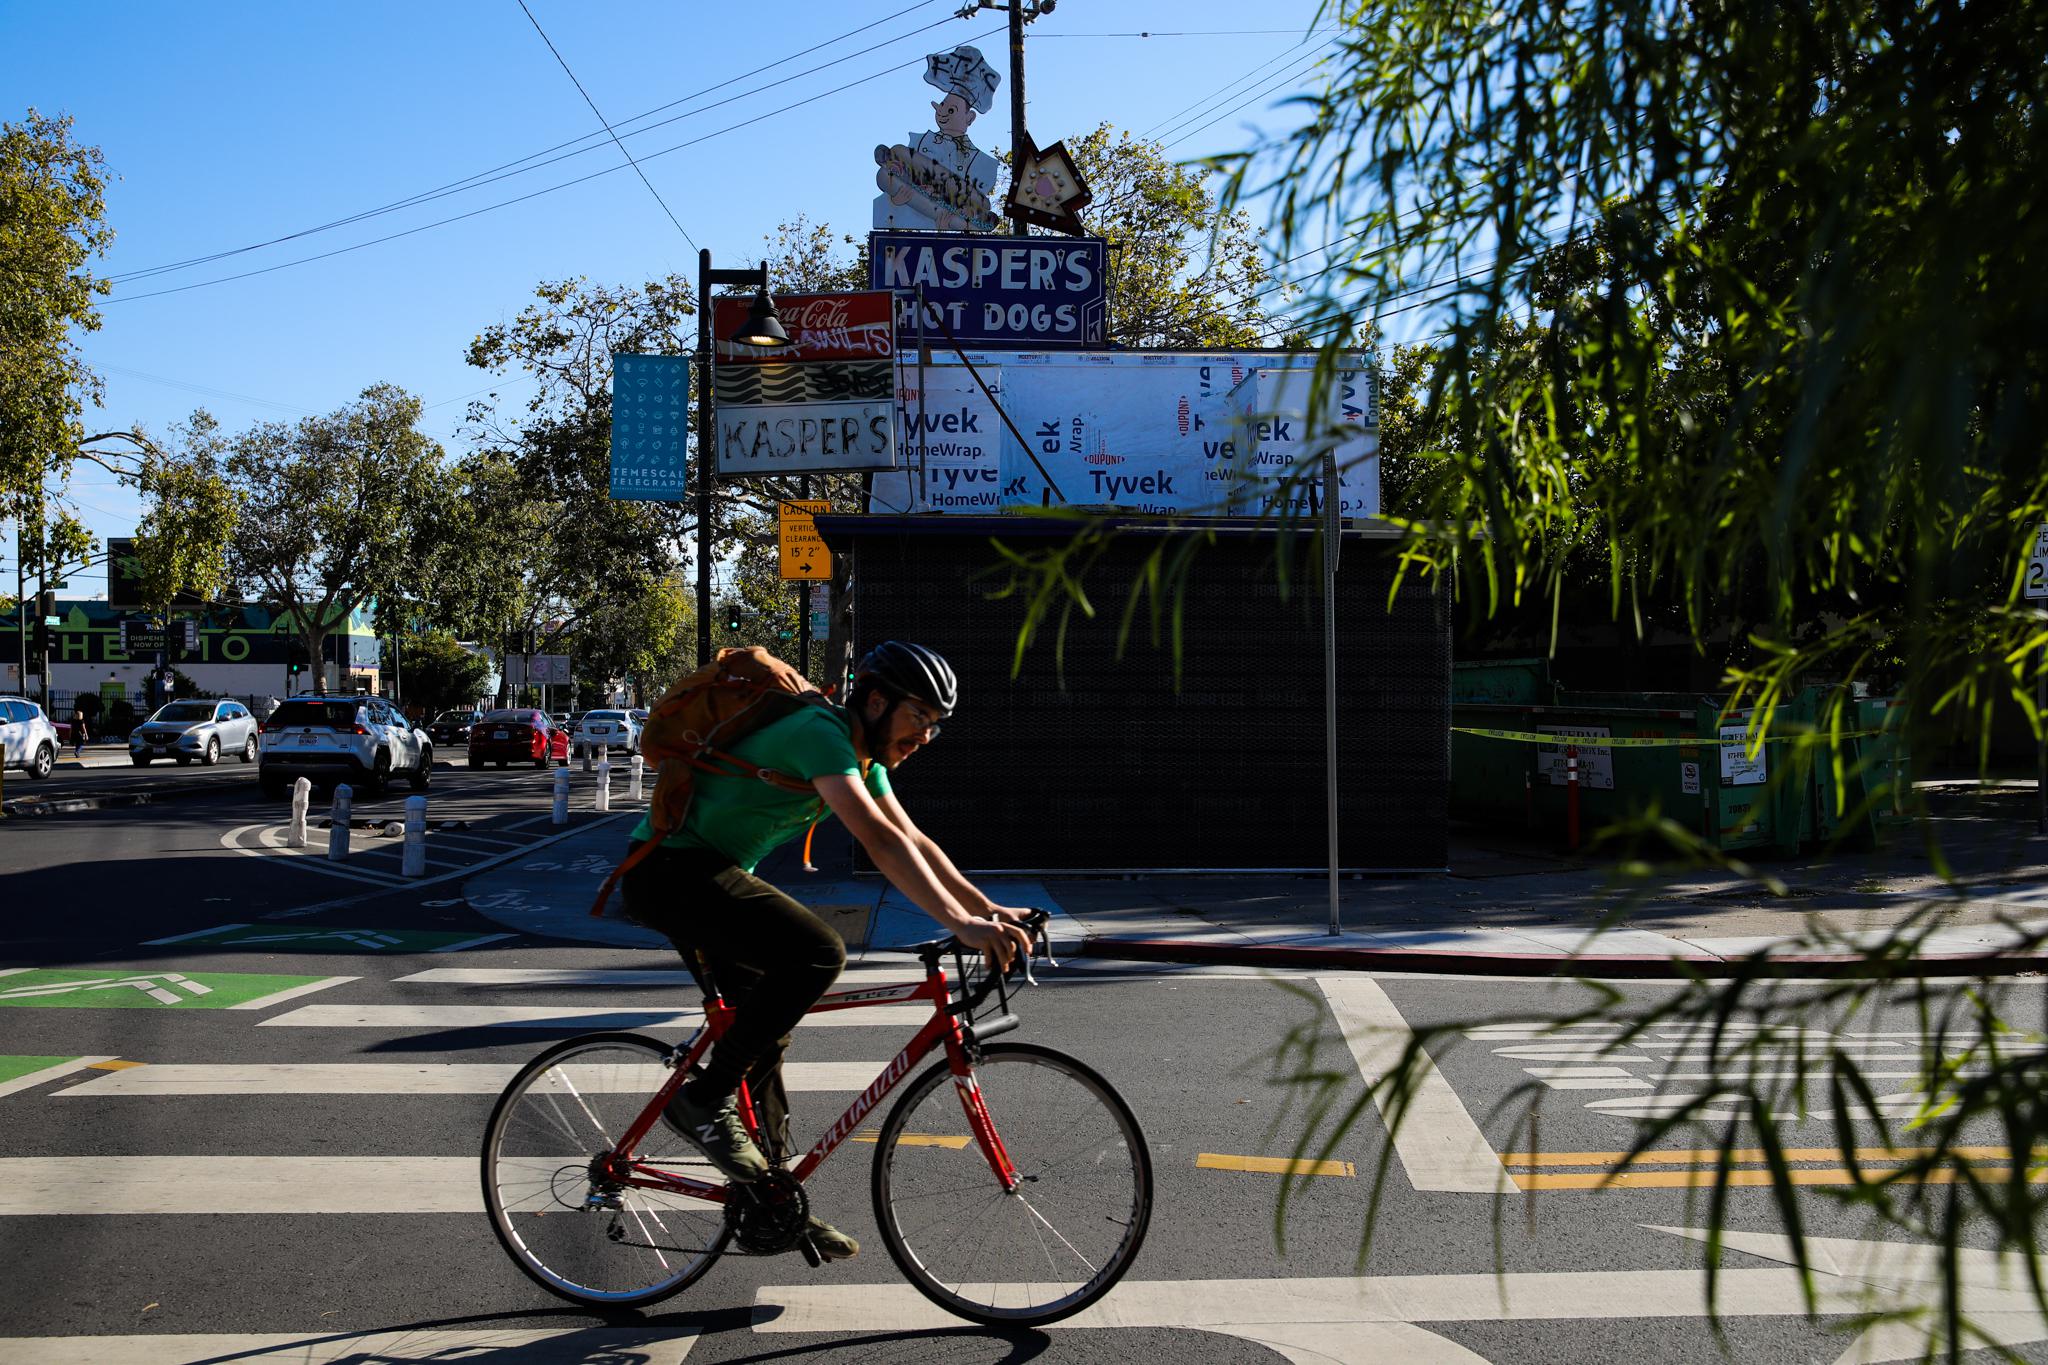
[[1021, 12], [21, 597]]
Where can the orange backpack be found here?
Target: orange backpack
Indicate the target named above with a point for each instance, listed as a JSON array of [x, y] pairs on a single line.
[[690, 730]]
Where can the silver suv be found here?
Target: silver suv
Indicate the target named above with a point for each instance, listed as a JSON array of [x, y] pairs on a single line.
[[195, 728], [27, 739], [364, 741]]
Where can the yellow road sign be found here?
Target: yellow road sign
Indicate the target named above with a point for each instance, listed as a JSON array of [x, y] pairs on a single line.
[[803, 551]]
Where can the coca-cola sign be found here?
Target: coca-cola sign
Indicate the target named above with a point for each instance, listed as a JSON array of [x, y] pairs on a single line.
[[820, 327]]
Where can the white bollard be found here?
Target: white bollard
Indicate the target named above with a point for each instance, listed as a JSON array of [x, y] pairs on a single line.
[[413, 861], [586, 756], [602, 800], [561, 796], [302, 797], [342, 812], [639, 767]]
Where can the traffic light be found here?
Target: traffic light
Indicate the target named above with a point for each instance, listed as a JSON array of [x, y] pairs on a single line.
[[296, 657], [732, 616], [46, 605]]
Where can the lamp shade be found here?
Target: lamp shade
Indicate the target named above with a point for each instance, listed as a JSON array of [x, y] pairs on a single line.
[[762, 327]]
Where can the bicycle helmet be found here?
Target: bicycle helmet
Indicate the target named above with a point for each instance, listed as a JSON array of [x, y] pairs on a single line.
[[911, 671]]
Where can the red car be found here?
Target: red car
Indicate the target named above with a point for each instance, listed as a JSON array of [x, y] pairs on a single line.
[[517, 736]]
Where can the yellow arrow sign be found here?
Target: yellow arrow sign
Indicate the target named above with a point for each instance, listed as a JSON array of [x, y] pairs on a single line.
[[803, 550]]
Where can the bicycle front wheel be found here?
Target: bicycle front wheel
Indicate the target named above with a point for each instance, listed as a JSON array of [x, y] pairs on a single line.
[[577, 1235], [1074, 1223]]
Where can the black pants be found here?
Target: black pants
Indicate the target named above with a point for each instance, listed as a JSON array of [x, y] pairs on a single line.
[[770, 957]]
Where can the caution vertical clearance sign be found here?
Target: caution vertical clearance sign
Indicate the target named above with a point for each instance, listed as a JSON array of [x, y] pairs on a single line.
[[803, 550]]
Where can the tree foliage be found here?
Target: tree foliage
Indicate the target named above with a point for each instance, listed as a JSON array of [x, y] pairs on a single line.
[[52, 225], [1742, 308], [439, 673], [326, 509], [1784, 272], [1183, 271]]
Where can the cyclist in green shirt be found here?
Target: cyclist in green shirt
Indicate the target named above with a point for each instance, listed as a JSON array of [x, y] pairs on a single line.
[[771, 956]]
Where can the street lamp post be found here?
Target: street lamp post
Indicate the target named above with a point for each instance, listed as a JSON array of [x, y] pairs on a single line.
[[763, 329]]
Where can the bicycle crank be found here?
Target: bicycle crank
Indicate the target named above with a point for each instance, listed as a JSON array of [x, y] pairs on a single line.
[[768, 1216]]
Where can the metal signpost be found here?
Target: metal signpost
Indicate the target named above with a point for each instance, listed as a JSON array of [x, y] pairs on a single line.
[[2034, 587]]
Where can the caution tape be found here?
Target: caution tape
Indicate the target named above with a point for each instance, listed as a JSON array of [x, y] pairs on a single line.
[[1557, 741]]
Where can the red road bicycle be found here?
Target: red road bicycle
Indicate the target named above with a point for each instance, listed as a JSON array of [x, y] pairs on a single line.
[[1012, 1185]]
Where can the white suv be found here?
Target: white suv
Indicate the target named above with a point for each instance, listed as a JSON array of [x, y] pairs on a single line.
[[27, 739], [608, 730], [364, 741]]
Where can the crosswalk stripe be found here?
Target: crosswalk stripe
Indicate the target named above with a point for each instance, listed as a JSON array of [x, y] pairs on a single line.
[[32, 1185], [572, 1018], [609, 976], [401, 1078], [667, 1344]]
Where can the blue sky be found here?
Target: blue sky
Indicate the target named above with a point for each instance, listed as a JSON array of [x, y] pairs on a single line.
[[228, 125]]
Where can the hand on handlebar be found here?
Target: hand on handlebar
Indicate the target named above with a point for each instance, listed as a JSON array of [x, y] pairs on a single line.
[[1001, 939]]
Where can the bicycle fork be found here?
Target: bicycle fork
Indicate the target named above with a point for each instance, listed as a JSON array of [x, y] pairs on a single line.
[[985, 1131]]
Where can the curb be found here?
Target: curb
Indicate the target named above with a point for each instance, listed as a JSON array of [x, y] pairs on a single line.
[[66, 805], [1618, 966]]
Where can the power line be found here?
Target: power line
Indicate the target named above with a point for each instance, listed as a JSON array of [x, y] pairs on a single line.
[[1196, 33], [519, 166], [1223, 90], [607, 126], [549, 189], [1296, 73]]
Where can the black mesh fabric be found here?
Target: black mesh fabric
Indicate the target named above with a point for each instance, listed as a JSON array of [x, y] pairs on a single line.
[[1103, 765]]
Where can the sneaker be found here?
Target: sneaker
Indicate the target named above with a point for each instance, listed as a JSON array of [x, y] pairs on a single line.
[[830, 1242], [717, 1132]]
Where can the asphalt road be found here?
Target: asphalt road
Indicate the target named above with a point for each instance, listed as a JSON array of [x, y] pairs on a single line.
[[263, 1132]]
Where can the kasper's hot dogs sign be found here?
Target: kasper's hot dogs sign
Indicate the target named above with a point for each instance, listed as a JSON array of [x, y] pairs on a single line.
[[1029, 293], [825, 402]]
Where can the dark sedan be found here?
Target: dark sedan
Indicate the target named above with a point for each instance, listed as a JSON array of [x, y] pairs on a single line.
[[517, 736], [453, 727]]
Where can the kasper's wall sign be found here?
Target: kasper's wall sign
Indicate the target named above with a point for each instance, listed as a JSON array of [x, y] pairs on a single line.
[[823, 403], [1027, 292]]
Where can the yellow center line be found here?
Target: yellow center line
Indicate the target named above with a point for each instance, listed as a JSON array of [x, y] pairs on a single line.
[[1747, 1156], [1272, 1165], [1701, 1179], [921, 1140]]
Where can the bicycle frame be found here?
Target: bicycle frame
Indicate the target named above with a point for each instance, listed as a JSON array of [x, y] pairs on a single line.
[[943, 1029]]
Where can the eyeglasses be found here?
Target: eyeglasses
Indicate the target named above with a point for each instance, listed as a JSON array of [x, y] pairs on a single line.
[[926, 721]]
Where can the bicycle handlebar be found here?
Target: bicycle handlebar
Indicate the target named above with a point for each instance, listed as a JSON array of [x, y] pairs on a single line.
[[972, 998]]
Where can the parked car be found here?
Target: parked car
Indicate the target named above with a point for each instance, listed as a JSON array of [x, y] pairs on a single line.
[[364, 741], [27, 739], [453, 727], [195, 728], [609, 730], [518, 735]]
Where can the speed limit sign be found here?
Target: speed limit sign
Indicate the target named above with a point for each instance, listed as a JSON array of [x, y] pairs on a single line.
[[2035, 586]]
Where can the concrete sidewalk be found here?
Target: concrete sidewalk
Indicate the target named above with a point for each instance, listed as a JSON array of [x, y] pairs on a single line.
[[1506, 906]]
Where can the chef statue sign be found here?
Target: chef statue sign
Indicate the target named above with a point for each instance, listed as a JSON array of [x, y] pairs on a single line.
[[938, 179]]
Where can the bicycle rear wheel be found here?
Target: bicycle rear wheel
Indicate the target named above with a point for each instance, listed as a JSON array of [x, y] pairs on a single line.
[[1074, 1224], [578, 1236]]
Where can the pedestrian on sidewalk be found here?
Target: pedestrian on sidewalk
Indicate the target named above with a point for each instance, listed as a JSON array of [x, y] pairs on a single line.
[[77, 730]]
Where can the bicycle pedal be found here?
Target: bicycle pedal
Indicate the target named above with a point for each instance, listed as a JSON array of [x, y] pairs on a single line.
[[811, 1256]]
